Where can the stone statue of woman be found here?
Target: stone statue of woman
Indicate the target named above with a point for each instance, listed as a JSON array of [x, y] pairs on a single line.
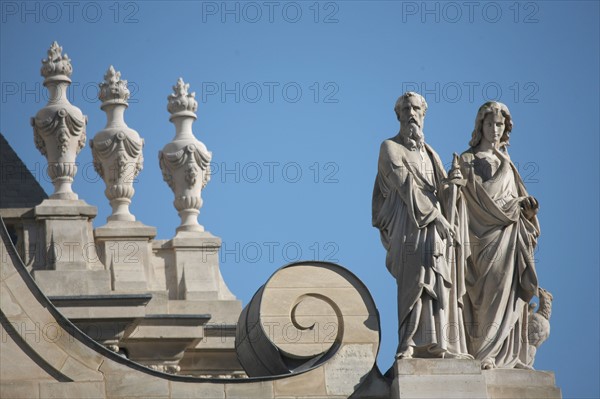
[[503, 230]]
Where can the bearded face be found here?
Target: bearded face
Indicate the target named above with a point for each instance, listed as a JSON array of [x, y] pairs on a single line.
[[412, 116]]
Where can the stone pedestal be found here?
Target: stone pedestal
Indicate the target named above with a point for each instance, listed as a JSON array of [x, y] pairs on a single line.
[[69, 263], [524, 384], [67, 225], [195, 268], [126, 250], [451, 378]]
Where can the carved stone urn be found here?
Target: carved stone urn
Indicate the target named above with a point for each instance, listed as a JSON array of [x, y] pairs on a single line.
[[59, 127], [185, 161], [117, 149]]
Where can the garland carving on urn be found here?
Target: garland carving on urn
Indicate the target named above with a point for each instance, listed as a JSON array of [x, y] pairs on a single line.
[[59, 127], [185, 161]]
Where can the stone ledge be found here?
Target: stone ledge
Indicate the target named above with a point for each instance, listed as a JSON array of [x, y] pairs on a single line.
[[57, 207], [198, 240], [123, 229], [94, 308], [16, 213]]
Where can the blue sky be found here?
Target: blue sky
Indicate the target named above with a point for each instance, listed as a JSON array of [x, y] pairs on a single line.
[[294, 100]]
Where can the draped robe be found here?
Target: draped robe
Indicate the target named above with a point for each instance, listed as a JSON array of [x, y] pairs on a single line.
[[406, 202], [500, 277]]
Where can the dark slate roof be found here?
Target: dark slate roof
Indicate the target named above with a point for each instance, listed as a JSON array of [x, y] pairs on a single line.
[[18, 187]]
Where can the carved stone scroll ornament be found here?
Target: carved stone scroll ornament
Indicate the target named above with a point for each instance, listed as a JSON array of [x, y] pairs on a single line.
[[59, 127], [185, 161], [117, 149], [310, 314]]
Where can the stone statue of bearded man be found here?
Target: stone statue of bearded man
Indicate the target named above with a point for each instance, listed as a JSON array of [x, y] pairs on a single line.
[[410, 202]]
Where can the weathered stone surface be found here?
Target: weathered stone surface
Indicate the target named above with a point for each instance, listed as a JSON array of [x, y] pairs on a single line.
[[527, 384], [126, 249], [446, 385], [5, 270], [249, 390], [518, 377], [17, 366], [452, 378], [125, 230], [73, 208], [78, 371], [436, 367], [187, 390], [74, 282], [312, 381], [135, 385], [194, 273], [507, 392], [68, 241], [433, 378], [345, 372], [19, 390], [201, 362], [39, 337], [79, 390], [10, 305]]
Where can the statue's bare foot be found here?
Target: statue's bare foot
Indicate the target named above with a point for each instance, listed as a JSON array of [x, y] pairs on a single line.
[[487, 364]]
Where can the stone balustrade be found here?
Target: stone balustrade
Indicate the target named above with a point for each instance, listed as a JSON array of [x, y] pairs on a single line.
[[100, 283]]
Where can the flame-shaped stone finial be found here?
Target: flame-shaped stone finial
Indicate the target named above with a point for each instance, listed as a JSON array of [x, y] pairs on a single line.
[[57, 67], [113, 90], [182, 103]]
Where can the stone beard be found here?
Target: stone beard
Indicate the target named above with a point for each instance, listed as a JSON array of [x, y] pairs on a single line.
[[412, 136]]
